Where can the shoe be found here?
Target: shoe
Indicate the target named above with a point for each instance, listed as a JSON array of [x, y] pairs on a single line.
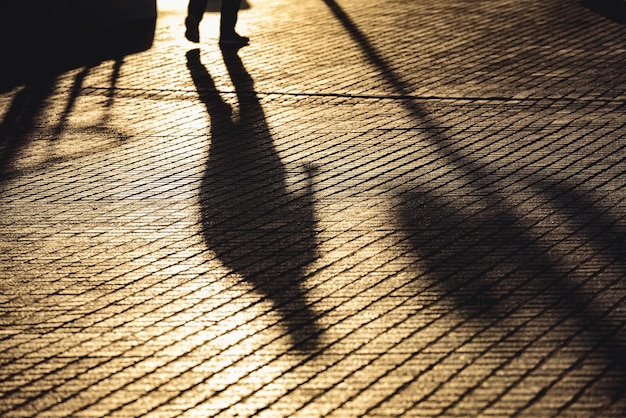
[[234, 40], [192, 33]]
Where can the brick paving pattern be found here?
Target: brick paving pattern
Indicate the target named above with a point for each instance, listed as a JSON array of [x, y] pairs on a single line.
[[407, 208]]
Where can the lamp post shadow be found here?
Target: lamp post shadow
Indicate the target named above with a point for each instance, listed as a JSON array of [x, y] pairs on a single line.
[[258, 228]]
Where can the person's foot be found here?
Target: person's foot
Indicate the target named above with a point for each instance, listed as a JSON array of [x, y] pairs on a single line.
[[192, 33], [233, 39]]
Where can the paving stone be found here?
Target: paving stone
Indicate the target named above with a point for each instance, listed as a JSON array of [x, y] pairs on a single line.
[[408, 209]]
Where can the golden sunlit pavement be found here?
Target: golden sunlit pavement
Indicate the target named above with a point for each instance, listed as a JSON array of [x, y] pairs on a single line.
[[406, 208]]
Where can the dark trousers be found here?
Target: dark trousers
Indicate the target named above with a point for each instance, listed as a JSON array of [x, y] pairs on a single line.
[[228, 13]]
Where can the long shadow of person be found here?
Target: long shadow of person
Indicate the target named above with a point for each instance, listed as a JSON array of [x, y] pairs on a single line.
[[254, 223]]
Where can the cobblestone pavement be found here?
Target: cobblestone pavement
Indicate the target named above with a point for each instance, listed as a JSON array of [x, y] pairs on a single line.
[[400, 208]]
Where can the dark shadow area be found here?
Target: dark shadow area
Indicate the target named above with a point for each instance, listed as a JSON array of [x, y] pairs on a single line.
[[35, 52], [257, 227], [491, 264], [34, 47], [611, 9]]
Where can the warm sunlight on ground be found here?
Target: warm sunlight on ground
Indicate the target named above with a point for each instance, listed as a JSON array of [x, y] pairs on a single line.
[[410, 208]]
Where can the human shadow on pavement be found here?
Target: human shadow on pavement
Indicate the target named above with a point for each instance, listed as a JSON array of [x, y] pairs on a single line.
[[257, 227], [485, 259]]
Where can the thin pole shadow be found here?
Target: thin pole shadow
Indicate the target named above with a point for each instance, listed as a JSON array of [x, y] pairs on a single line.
[[257, 227]]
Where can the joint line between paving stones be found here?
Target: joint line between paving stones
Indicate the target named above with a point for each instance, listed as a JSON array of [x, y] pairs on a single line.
[[372, 96]]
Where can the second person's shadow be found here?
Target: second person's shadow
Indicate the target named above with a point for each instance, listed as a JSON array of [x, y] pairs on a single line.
[[257, 226]]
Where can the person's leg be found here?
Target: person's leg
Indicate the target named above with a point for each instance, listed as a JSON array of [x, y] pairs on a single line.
[[195, 11], [228, 20], [197, 8]]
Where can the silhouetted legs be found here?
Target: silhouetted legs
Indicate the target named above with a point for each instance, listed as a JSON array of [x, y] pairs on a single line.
[[228, 19]]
